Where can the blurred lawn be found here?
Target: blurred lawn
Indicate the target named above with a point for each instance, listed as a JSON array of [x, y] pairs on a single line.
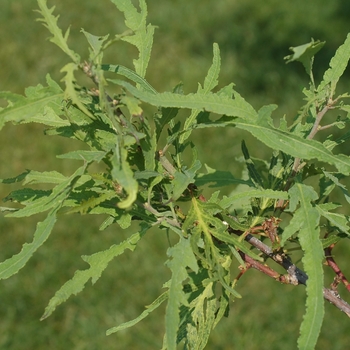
[[253, 38]]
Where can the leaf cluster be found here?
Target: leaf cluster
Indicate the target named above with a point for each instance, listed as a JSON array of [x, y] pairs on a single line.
[[139, 140]]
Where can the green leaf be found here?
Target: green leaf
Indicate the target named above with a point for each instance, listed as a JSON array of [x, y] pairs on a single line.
[[182, 180], [292, 228], [38, 103], [132, 105], [26, 195], [96, 43], [50, 22], [210, 102], [313, 257], [228, 201], [143, 33], [337, 66], [202, 319], [218, 178], [338, 220], [149, 148], [98, 263], [71, 92], [181, 256], [92, 203], [48, 117], [129, 74], [123, 174], [294, 145], [202, 215], [248, 120], [335, 179], [12, 265], [167, 115], [87, 156], [16, 179], [212, 78], [210, 82], [57, 196], [305, 54], [253, 173], [144, 314]]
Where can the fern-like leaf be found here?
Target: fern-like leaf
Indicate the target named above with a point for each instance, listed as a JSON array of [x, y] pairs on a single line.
[[143, 33], [308, 218], [98, 263], [50, 22], [41, 104], [181, 257]]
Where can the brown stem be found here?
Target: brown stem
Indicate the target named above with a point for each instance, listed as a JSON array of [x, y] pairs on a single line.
[[296, 275], [318, 119], [287, 279], [280, 258], [340, 277], [333, 297]]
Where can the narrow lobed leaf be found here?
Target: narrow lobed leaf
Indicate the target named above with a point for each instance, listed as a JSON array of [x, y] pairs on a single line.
[[98, 263]]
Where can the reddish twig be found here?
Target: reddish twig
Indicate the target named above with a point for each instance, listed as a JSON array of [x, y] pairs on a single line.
[[340, 277], [267, 270], [296, 275]]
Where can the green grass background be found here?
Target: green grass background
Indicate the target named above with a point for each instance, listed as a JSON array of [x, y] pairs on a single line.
[[253, 37]]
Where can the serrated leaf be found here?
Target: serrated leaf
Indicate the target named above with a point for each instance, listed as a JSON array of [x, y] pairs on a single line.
[[149, 309], [210, 102], [181, 180], [55, 197], [98, 263], [202, 319], [332, 239], [70, 92], [129, 74], [18, 178], [92, 203], [50, 22], [48, 117], [292, 228], [181, 257], [218, 178], [33, 106], [87, 156], [337, 66], [294, 145], [312, 260], [210, 82], [12, 265], [335, 180], [259, 127], [338, 220], [26, 195], [49, 177], [120, 216], [248, 194], [212, 78], [145, 175], [202, 214], [143, 33]]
